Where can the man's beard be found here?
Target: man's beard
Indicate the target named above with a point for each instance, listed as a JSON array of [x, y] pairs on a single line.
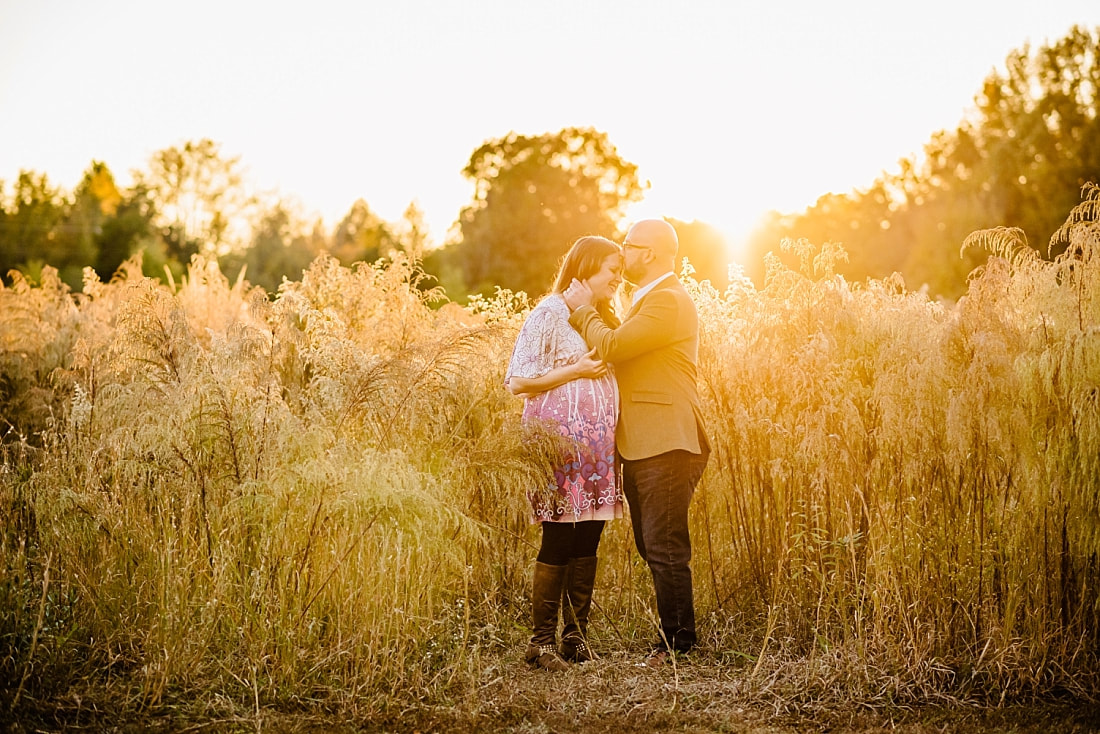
[[633, 275]]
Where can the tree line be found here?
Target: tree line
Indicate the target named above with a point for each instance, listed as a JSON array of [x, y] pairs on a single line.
[[1019, 159], [190, 199], [532, 196]]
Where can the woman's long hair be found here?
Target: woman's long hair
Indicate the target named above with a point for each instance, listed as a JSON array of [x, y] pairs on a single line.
[[584, 259]]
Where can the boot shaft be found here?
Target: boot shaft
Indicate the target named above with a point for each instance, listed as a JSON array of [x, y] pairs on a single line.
[[546, 593], [576, 594], [580, 579], [547, 590]]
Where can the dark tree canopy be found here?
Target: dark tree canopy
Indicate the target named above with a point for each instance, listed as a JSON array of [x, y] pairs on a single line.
[[190, 200], [534, 195], [282, 246], [362, 236]]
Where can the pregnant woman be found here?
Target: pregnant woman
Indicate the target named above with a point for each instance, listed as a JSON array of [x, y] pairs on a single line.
[[565, 386]]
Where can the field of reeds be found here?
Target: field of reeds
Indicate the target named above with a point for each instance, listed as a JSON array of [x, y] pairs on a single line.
[[216, 506]]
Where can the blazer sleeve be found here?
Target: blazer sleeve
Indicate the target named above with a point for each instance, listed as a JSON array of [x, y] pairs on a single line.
[[652, 327]]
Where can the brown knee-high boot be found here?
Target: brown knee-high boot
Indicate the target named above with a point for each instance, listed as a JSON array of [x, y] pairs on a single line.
[[546, 590], [580, 577]]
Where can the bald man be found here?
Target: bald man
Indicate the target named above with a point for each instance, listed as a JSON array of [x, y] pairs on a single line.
[[660, 437]]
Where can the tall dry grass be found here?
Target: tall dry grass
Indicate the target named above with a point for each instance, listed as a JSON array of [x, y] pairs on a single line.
[[905, 491], [289, 500], [317, 501]]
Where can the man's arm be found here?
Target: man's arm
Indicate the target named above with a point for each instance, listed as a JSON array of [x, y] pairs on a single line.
[[652, 327]]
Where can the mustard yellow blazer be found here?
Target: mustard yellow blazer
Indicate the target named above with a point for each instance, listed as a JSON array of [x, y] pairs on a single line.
[[654, 353]]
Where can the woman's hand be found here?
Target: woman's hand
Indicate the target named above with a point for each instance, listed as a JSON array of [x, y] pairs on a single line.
[[590, 366], [578, 294]]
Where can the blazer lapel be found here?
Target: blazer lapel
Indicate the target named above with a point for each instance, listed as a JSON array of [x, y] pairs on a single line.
[[666, 283]]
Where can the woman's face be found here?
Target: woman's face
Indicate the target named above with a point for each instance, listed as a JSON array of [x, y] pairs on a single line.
[[607, 279]]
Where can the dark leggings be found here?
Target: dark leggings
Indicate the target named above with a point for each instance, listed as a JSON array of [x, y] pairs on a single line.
[[564, 540]]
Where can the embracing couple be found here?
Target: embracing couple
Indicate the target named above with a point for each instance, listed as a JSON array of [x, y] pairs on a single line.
[[572, 361]]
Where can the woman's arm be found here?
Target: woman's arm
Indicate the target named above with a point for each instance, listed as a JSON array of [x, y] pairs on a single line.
[[587, 366]]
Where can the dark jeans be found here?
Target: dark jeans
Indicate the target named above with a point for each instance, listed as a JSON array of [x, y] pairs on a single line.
[[658, 490]]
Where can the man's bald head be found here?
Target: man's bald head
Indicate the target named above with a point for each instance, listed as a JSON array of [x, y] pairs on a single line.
[[656, 234]]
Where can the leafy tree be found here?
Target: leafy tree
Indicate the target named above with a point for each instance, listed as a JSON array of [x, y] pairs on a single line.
[[90, 227], [29, 237], [130, 230], [200, 199], [1036, 140], [362, 236], [282, 246], [1020, 160], [95, 198], [534, 195], [98, 226], [412, 232], [443, 266]]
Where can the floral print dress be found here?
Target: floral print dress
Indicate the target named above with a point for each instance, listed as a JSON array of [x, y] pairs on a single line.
[[585, 486]]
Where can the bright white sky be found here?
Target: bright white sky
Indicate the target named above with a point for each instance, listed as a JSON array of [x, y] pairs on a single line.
[[728, 108]]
